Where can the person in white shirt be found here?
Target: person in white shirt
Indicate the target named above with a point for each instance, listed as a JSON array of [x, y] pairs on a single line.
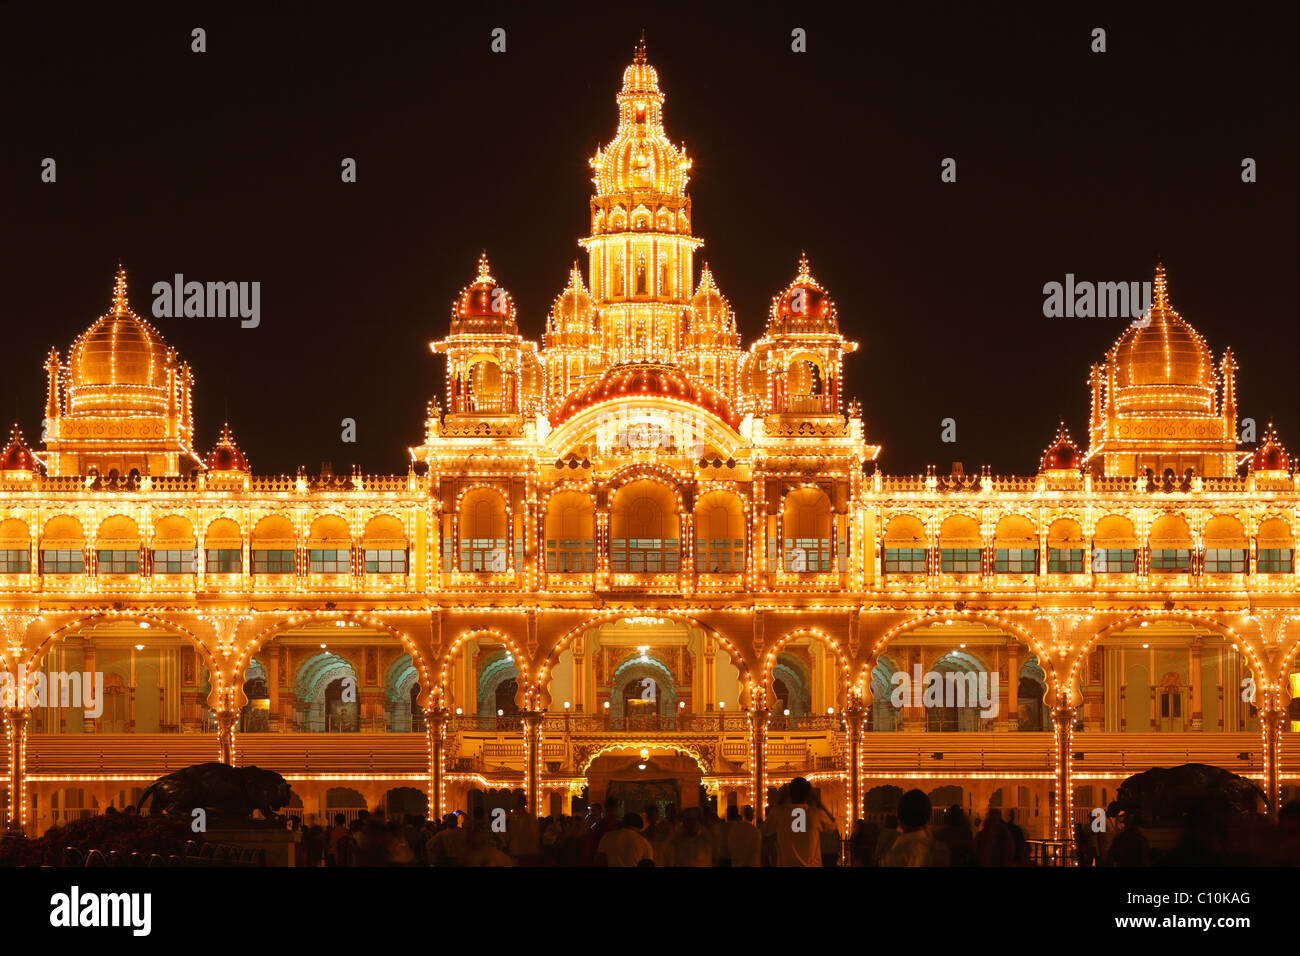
[[797, 827], [625, 846], [915, 846], [744, 841]]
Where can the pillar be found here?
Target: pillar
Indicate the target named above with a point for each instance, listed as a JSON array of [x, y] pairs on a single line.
[[533, 758], [226, 734], [16, 718], [758, 718], [854, 714], [1273, 720], [1196, 710], [435, 722], [1063, 734]]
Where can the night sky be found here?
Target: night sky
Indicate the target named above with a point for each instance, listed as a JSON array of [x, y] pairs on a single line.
[[225, 165]]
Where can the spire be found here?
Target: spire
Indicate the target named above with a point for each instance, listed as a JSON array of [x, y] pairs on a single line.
[[804, 272], [639, 55], [484, 270], [119, 292], [1160, 295], [575, 278]]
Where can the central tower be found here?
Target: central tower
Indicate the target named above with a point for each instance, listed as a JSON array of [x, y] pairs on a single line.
[[640, 249]]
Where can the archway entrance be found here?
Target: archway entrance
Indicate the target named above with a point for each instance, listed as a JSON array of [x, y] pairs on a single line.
[[645, 778]]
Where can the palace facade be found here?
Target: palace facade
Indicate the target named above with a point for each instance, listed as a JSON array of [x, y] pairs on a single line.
[[640, 559]]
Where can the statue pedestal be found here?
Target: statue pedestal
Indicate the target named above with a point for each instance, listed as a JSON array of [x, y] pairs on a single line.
[[279, 843]]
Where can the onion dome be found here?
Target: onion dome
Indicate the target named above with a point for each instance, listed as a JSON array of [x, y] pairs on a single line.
[[1270, 455], [120, 362], [572, 311], [483, 307], [710, 311], [641, 380], [1162, 363], [640, 157], [225, 455], [804, 306], [17, 457], [1062, 454]]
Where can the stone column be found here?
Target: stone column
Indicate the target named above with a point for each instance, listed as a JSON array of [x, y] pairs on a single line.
[[854, 714], [16, 718], [435, 722], [1197, 709], [226, 734], [1063, 733], [1273, 720], [758, 719], [533, 758], [1012, 715]]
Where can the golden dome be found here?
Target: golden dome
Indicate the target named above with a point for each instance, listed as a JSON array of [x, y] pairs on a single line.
[[710, 311], [571, 312], [1162, 363], [120, 361], [640, 157]]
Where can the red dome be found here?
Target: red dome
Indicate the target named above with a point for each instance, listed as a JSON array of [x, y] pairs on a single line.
[[17, 456], [1270, 455], [483, 306], [646, 379], [1062, 454], [804, 306], [226, 456]]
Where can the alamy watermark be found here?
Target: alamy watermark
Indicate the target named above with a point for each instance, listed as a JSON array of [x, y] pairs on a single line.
[[946, 689], [208, 300], [55, 689], [1096, 300]]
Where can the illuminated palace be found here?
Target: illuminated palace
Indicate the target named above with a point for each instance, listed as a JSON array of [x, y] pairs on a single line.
[[637, 559]]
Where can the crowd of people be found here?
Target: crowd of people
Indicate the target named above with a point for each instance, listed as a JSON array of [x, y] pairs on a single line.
[[797, 831]]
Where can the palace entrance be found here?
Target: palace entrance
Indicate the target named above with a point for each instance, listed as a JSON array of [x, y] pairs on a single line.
[[639, 780]]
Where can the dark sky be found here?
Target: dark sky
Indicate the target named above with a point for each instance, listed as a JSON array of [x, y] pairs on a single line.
[[225, 166]]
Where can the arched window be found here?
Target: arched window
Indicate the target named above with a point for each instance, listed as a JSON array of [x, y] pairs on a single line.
[[486, 387], [1276, 546], [329, 546], [63, 546], [117, 546], [803, 383], [1015, 544], [173, 546], [223, 548], [959, 545], [385, 545], [644, 530], [1114, 546], [905, 545], [274, 544], [15, 547], [806, 521], [483, 531], [720, 534], [1171, 544], [1225, 546], [1065, 547], [570, 531]]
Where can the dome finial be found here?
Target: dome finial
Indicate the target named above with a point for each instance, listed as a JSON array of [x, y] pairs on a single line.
[[804, 270], [639, 55], [119, 291], [1160, 295], [484, 270]]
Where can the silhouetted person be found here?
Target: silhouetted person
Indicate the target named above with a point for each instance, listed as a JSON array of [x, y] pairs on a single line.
[[956, 835], [995, 846], [915, 846]]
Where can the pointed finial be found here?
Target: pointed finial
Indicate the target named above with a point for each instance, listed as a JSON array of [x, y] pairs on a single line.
[[575, 278], [804, 272], [484, 271], [119, 291], [639, 56], [1160, 295]]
